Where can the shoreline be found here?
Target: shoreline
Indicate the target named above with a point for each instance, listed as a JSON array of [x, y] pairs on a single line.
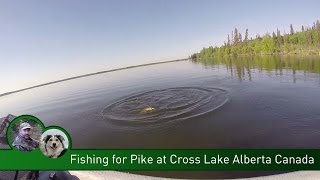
[[258, 55], [91, 74]]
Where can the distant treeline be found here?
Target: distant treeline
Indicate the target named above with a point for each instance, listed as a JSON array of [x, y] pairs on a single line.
[[305, 41]]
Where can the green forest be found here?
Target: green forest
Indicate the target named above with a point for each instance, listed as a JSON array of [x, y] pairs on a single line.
[[305, 41]]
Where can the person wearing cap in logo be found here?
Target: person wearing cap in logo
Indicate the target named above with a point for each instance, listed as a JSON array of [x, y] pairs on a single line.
[[23, 141]]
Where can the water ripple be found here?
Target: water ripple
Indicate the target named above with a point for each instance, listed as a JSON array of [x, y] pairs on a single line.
[[165, 105]]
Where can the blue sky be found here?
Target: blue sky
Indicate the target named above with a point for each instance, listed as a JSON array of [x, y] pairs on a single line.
[[42, 41]]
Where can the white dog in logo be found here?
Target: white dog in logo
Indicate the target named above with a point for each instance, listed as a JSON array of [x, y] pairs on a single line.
[[53, 146]]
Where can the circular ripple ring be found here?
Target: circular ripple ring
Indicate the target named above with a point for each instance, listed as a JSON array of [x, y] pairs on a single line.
[[168, 105]]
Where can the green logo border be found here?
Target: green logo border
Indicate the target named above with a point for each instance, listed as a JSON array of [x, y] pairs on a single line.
[[18, 118]]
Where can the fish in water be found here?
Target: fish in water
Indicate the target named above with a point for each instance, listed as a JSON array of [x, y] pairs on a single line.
[[148, 109]]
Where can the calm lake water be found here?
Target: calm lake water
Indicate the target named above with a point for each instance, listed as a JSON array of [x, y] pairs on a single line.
[[261, 102]]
